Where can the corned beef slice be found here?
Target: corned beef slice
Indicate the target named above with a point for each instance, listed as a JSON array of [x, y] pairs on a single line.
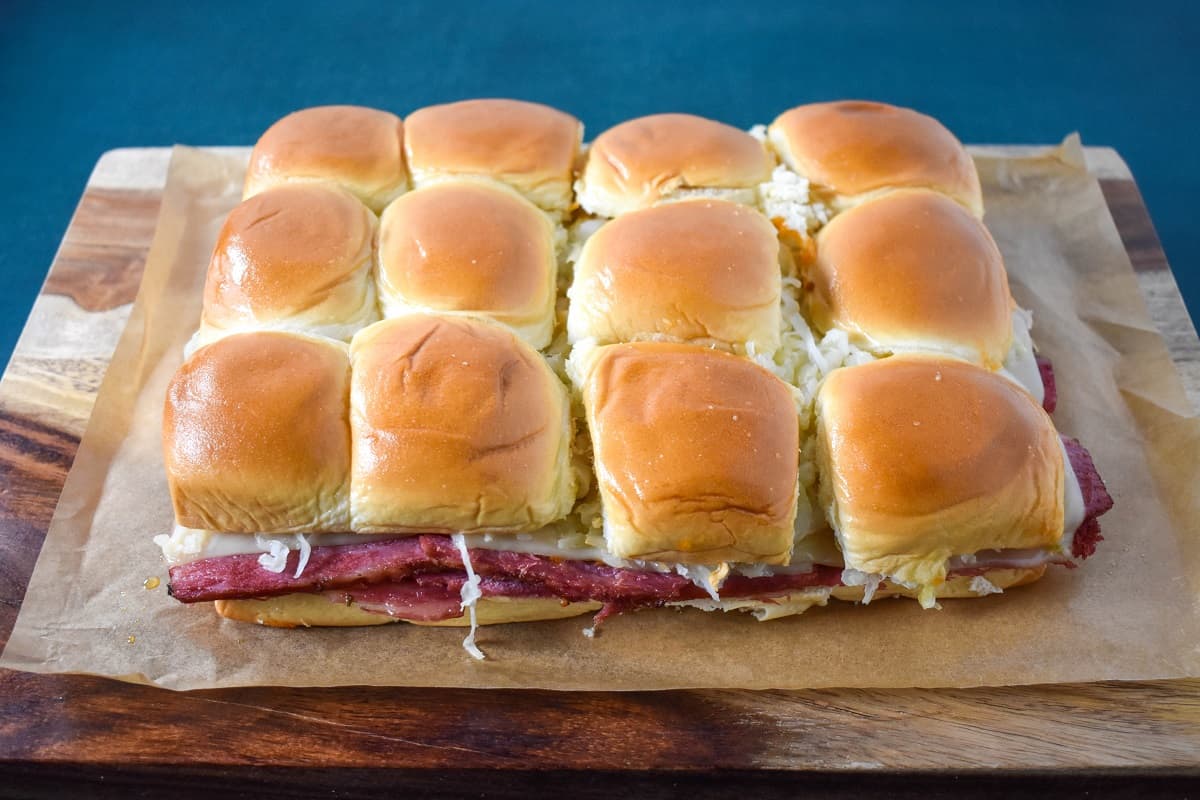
[[1096, 499], [1050, 398], [229, 577], [240, 576]]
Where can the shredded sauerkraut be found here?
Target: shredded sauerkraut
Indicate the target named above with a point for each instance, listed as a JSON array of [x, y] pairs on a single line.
[[305, 552], [869, 581], [470, 595], [709, 579], [787, 199], [275, 557]]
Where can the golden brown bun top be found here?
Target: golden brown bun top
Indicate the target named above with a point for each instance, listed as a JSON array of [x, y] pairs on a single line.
[[256, 435], [361, 148], [696, 269], [913, 270], [698, 450], [523, 144], [942, 431], [641, 161], [458, 425], [852, 147], [467, 245], [285, 250], [925, 457]]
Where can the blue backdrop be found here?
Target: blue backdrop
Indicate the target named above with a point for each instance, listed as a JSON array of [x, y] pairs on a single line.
[[77, 79]]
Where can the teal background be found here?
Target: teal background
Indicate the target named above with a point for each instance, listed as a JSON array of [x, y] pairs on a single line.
[[77, 79]]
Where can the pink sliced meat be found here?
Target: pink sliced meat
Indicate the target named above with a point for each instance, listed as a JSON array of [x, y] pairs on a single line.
[[1096, 499], [1050, 397], [230, 577], [338, 567], [589, 580]]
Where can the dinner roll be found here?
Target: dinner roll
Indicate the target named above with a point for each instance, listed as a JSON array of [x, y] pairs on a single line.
[[698, 270], [256, 437], [912, 270], [295, 257], [924, 457], [696, 454], [852, 149], [457, 425], [529, 146], [470, 247], [667, 157], [359, 148]]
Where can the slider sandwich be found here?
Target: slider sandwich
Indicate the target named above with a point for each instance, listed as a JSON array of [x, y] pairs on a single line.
[[470, 247], [705, 271], [360, 149], [664, 157], [529, 147], [295, 257], [911, 270], [941, 479], [834, 156]]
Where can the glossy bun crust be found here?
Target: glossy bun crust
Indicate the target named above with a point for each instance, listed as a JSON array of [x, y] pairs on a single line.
[[852, 148], [295, 257], [668, 156], [360, 149], [256, 437], [923, 458], [697, 270], [695, 452], [528, 146], [912, 270], [470, 247], [458, 425]]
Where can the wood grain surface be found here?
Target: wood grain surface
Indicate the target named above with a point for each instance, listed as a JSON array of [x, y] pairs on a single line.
[[103, 738]]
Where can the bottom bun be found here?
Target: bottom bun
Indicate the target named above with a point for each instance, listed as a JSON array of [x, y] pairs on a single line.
[[314, 610], [953, 588]]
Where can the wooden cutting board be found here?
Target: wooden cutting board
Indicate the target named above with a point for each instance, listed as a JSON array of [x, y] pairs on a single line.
[[110, 738]]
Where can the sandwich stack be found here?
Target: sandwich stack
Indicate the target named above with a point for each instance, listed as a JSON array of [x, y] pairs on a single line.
[[462, 369]]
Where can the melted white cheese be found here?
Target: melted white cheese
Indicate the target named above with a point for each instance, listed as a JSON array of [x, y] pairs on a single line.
[[190, 544], [1003, 559], [1020, 365], [1073, 508]]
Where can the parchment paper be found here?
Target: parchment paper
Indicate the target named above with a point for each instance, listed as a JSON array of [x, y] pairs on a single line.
[[1128, 613]]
